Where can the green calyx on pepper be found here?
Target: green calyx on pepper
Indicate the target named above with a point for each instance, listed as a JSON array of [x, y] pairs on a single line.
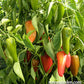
[[66, 35], [74, 64], [11, 46]]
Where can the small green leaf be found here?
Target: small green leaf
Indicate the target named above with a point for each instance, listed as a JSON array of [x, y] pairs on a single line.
[[18, 28], [33, 73], [18, 71], [58, 78], [1, 51], [18, 38], [4, 21], [34, 22], [9, 28], [27, 42]]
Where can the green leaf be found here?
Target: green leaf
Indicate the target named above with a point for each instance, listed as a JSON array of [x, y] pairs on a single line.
[[5, 21], [12, 77], [27, 42], [18, 38], [79, 19], [72, 4], [2, 74], [25, 5], [57, 41], [1, 51], [9, 28], [58, 78], [18, 71], [48, 48], [33, 73], [30, 81], [34, 22], [35, 4], [18, 28], [52, 79], [81, 35], [50, 7]]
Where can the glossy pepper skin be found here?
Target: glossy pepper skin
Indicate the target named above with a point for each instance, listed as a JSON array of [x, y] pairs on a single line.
[[64, 61], [29, 27], [74, 64], [35, 64], [11, 46], [66, 35], [61, 59], [68, 61], [47, 62]]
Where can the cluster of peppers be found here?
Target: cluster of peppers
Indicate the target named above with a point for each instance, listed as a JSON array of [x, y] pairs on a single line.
[[64, 59]]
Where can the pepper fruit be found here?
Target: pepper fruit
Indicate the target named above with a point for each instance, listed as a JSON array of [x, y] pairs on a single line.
[[74, 64], [35, 64], [61, 59], [30, 27], [66, 35], [60, 13], [11, 46], [47, 62], [28, 56], [68, 61], [64, 61]]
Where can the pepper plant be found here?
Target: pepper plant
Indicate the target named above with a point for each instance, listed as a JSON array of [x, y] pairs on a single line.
[[41, 41]]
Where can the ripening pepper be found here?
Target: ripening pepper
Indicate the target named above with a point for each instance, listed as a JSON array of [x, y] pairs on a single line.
[[47, 62], [35, 64], [66, 35], [29, 27], [61, 59], [28, 56], [74, 64], [11, 46], [68, 61], [64, 61]]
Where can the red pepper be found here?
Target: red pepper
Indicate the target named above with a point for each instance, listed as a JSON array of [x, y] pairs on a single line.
[[47, 62], [68, 61], [61, 58], [64, 60]]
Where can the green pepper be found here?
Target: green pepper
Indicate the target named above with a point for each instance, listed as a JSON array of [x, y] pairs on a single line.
[[66, 35], [11, 46], [60, 13], [74, 64]]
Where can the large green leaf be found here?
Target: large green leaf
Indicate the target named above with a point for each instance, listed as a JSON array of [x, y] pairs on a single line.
[[57, 41], [79, 20], [18, 71], [49, 49]]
